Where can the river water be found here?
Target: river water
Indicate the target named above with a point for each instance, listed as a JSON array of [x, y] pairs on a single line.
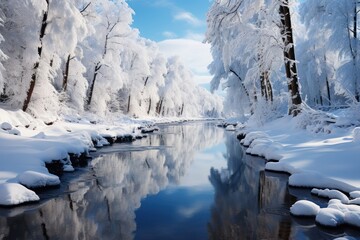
[[188, 181]]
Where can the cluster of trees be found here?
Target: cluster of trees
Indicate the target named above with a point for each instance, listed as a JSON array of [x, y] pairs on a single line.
[[256, 59], [81, 55]]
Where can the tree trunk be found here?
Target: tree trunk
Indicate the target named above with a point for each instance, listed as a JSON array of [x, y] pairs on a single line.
[[148, 112], [159, 106], [269, 87], [36, 65], [66, 74], [129, 100], [97, 68], [355, 54], [182, 109], [328, 90], [289, 57]]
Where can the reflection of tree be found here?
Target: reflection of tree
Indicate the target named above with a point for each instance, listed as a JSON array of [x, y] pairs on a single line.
[[248, 202], [105, 207]]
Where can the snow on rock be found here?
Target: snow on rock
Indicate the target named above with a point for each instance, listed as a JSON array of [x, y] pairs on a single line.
[[14, 193], [330, 217], [34, 179], [356, 134], [230, 128], [304, 208], [6, 126], [280, 167], [14, 131], [68, 168], [352, 218], [355, 194], [355, 201], [251, 136], [332, 194], [313, 179]]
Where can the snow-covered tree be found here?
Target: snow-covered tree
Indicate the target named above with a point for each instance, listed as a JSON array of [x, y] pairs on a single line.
[[111, 22], [332, 27], [250, 41]]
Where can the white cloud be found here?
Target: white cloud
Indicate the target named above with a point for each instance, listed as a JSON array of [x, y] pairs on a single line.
[[189, 18], [194, 54], [169, 34]]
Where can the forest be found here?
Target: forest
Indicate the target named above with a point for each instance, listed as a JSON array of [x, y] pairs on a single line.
[[65, 57], [278, 56]]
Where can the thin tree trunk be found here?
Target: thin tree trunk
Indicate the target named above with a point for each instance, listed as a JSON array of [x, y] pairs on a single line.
[[97, 68], [289, 57], [148, 112], [328, 90], [66, 73], [36, 65], [269, 87], [355, 57], [182, 109], [129, 100]]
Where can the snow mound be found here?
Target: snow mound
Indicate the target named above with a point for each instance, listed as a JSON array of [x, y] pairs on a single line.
[[355, 201], [230, 128], [355, 194], [68, 168], [251, 136], [6, 126], [14, 131], [352, 218], [332, 194], [304, 208], [356, 134], [35, 179], [14, 193], [313, 179], [330, 217]]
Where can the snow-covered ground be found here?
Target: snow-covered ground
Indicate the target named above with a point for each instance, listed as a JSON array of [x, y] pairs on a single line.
[[318, 151], [27, 144]]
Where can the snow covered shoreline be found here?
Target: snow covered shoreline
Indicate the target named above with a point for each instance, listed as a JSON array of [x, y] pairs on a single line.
[[326, 158], [28, 146]]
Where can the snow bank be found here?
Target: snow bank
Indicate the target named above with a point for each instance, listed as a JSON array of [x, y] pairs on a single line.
[[317, 160], [34, 179], [14, 193], [304, 208], [23, 158], [330, 217], [336, 213], [332, 194]]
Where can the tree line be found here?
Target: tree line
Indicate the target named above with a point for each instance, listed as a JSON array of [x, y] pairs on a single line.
[[285, 54], [75, 55]]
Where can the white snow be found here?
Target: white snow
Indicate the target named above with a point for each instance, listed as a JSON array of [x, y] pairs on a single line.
[[356, 134], [35, 179], [332, 194], [6, 126], [304, 208], [23, 158], [330, 217], [313, 160], [14, 193]]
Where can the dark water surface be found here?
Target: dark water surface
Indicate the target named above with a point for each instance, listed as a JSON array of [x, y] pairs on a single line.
[[189, 181]]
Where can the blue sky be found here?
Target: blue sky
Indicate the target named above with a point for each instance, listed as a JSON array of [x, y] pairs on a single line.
[[179, 27], [163, 19]]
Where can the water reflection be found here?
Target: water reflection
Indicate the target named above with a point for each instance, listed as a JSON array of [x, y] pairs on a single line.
[[248, 202], [103, 206]]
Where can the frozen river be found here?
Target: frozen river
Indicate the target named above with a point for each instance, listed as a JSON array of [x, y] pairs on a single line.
[[187, 181]]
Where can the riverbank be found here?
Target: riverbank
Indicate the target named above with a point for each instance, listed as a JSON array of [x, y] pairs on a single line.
[[318, 150], [33, 152]]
